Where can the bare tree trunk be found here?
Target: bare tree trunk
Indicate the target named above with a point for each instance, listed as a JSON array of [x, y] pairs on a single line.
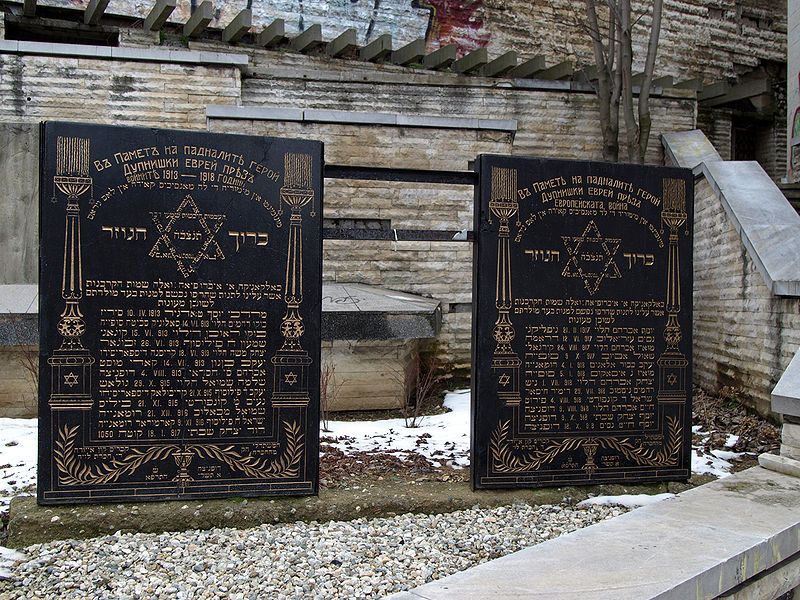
[[645, 121], [609, 117], [626, 67]]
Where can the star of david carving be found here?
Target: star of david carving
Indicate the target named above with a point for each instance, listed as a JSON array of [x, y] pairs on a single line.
[[290, 378], [591, 257], [202, 227], [503, 379], [672, 379], [70, 379]]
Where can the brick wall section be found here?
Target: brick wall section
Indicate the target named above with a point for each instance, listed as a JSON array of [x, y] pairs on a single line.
[[37, 88], [744, 336]]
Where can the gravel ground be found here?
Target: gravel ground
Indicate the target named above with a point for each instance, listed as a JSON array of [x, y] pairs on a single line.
[[353, 559]]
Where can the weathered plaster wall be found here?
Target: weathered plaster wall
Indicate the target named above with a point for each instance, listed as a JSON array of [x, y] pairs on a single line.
[[744, 336]]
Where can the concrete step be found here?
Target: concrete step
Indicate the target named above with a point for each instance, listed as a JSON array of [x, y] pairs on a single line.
[[704, 543]]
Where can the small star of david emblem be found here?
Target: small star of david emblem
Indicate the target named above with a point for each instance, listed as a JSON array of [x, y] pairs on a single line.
[[290, 378], [672, 379], [591, 257], [71, 379], [503, 379], [187, 236]]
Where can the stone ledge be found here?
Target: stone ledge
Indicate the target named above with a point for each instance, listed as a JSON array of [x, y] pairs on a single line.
[[126, 54], [346, 117], [766, 223], [349, 312], [739, 527], [786, 393], [689, 149]]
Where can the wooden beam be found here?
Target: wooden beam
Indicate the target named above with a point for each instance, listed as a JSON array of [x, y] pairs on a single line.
[[441, 58], [240, 25], [94, 11], [199, 20], [410, 53], [587, 73], [712, 91], [469, 63], [664, 82], [500, 65], [378, 49], [746, 90], [690, 84], [29, 8], [562, 70], [529, 68], [308, 40], [273, 34], [159, 14], [344, 43]]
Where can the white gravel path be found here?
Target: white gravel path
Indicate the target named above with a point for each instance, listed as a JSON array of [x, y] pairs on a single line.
[[347, 560]]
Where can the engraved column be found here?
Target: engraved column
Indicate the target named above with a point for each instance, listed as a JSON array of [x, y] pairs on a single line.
[[71, 363], [672, 363], [505, 363], [290, 383]]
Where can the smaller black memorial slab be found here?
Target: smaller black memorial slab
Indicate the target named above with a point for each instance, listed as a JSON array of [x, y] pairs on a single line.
[[582, 347], [180, 289]]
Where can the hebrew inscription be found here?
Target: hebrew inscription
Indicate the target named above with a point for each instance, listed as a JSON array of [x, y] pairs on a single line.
[[179, 314], [582, 323]]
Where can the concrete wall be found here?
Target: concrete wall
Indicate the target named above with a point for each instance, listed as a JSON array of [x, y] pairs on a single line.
[[744, 336]]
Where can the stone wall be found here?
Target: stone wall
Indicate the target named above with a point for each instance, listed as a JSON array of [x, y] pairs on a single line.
[[552, 120], [149, 94], [744, 336], [551, 123], [712, 40]]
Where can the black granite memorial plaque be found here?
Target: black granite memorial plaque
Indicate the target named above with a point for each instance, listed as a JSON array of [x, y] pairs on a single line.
[[582, 323], [179, 303]]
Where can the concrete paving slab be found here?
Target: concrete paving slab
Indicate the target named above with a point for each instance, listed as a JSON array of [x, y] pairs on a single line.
[[699, 544]]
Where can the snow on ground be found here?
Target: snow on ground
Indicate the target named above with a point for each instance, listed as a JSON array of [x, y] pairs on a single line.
[[717, 462], [17, 457], [441, 438], [7, 558], [626, 500]]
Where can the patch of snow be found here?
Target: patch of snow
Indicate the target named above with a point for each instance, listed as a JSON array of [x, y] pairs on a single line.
[[708, 464], [7, 559], [727, 454], [18, 447], [731, 441], [626, 500], [442, 438]]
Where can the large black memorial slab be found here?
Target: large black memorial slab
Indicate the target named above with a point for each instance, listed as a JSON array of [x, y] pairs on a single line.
[[180, 288], [582, 323]]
